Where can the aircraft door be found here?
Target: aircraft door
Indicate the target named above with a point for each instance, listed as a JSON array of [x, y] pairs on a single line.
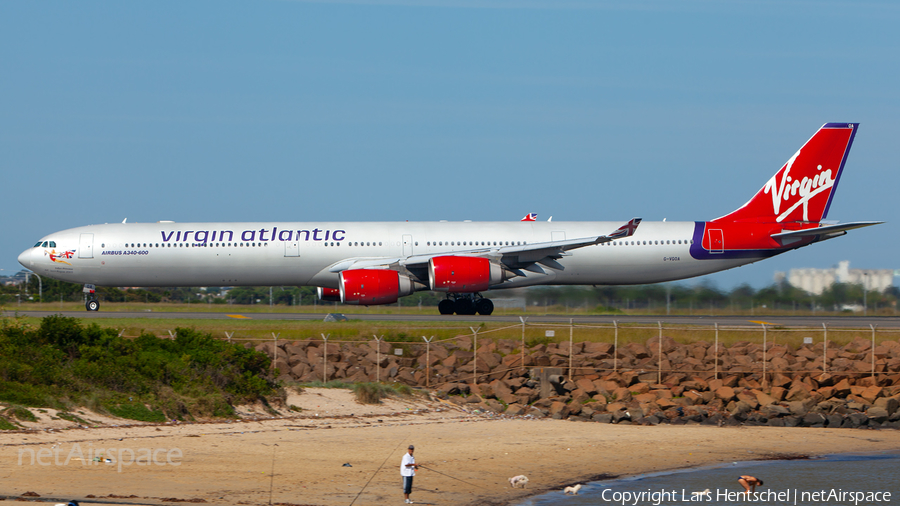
[[86, 246], [716, 241], [407, 245], [291, 248]]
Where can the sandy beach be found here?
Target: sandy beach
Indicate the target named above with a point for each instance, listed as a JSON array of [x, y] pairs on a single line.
[[339, 452]]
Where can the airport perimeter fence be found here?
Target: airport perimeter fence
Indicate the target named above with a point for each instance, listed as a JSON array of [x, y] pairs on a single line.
[[817, 345]]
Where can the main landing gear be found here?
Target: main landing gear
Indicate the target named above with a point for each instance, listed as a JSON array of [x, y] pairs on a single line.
[[466, 304], [91, 304]]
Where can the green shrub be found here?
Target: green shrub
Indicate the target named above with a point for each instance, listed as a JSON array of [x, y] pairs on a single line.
[[7, 425], [373, 393], [61, 363], [137, 412], [72, 418], [369, 393], [20, 413]]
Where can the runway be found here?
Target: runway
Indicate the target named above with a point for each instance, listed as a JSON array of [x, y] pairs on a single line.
[[881, 322]]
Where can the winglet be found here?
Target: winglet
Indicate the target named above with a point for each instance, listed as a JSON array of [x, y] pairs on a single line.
[[626, 230]]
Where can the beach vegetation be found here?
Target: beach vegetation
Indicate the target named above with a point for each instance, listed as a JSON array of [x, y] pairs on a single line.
[[19, 413], [72, 418], [62, 364], [373, 393]]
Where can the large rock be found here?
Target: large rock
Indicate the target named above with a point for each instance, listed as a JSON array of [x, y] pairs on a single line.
[[515, 409], [693, 396], [639, 388], [749, 398], [739, 409], [665, 403], [580, 396], [300, 370], [889, 404], [587, 386], [871, 393], [798, 408], [780, 381], [726, 394], [765, 399], [797, 393], [814, 420], [559, 410], [877, 414], [774, 411]]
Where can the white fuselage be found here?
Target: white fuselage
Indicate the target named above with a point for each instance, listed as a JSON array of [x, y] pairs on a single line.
[[232, 254]]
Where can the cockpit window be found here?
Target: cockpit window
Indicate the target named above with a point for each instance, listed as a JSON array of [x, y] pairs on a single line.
[[46, 244], [52, 244], [38, 245]]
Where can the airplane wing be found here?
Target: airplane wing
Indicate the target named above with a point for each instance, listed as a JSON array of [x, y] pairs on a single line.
[[828, 230], [513, 257]]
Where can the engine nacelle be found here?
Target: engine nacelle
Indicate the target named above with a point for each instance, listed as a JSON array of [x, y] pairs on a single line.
[[462, 274], [329, 294], [370, 287]]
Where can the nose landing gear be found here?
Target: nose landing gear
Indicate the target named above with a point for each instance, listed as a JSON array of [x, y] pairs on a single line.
[[91, 304]]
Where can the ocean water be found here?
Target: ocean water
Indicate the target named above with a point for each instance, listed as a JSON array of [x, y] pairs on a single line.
[[833, 480]]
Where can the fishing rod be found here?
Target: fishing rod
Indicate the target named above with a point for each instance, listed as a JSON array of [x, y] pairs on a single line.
[[453, 477]]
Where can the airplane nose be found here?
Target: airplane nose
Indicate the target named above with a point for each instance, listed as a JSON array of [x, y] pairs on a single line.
[[25, 258]]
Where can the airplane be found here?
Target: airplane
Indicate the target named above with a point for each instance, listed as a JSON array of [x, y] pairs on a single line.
[[372, 263]]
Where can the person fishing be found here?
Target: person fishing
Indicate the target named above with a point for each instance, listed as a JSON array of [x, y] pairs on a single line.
[[408, 469]]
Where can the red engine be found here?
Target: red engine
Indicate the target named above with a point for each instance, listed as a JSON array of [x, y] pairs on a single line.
[[462, 274], [370, 287], [329, 294]]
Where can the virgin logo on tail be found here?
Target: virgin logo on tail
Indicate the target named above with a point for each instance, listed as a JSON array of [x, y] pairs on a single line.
[[806, 188], [808, 179]]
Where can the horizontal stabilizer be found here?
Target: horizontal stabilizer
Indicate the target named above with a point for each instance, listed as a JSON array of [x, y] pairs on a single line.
[[825, 230]]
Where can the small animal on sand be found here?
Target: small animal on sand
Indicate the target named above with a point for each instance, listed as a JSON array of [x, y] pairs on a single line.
[[515, 481], [700, 493], [572, 490]]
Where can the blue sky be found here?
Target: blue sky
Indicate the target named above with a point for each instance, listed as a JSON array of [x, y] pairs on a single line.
[[407, 110]]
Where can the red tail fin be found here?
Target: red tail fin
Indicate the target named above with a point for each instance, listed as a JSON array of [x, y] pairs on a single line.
[[802, 190]]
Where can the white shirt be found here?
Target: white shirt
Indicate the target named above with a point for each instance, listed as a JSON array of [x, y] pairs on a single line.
[[407, 471]]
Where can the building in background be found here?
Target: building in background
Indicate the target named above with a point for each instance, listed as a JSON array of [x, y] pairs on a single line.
[[816, 281]]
